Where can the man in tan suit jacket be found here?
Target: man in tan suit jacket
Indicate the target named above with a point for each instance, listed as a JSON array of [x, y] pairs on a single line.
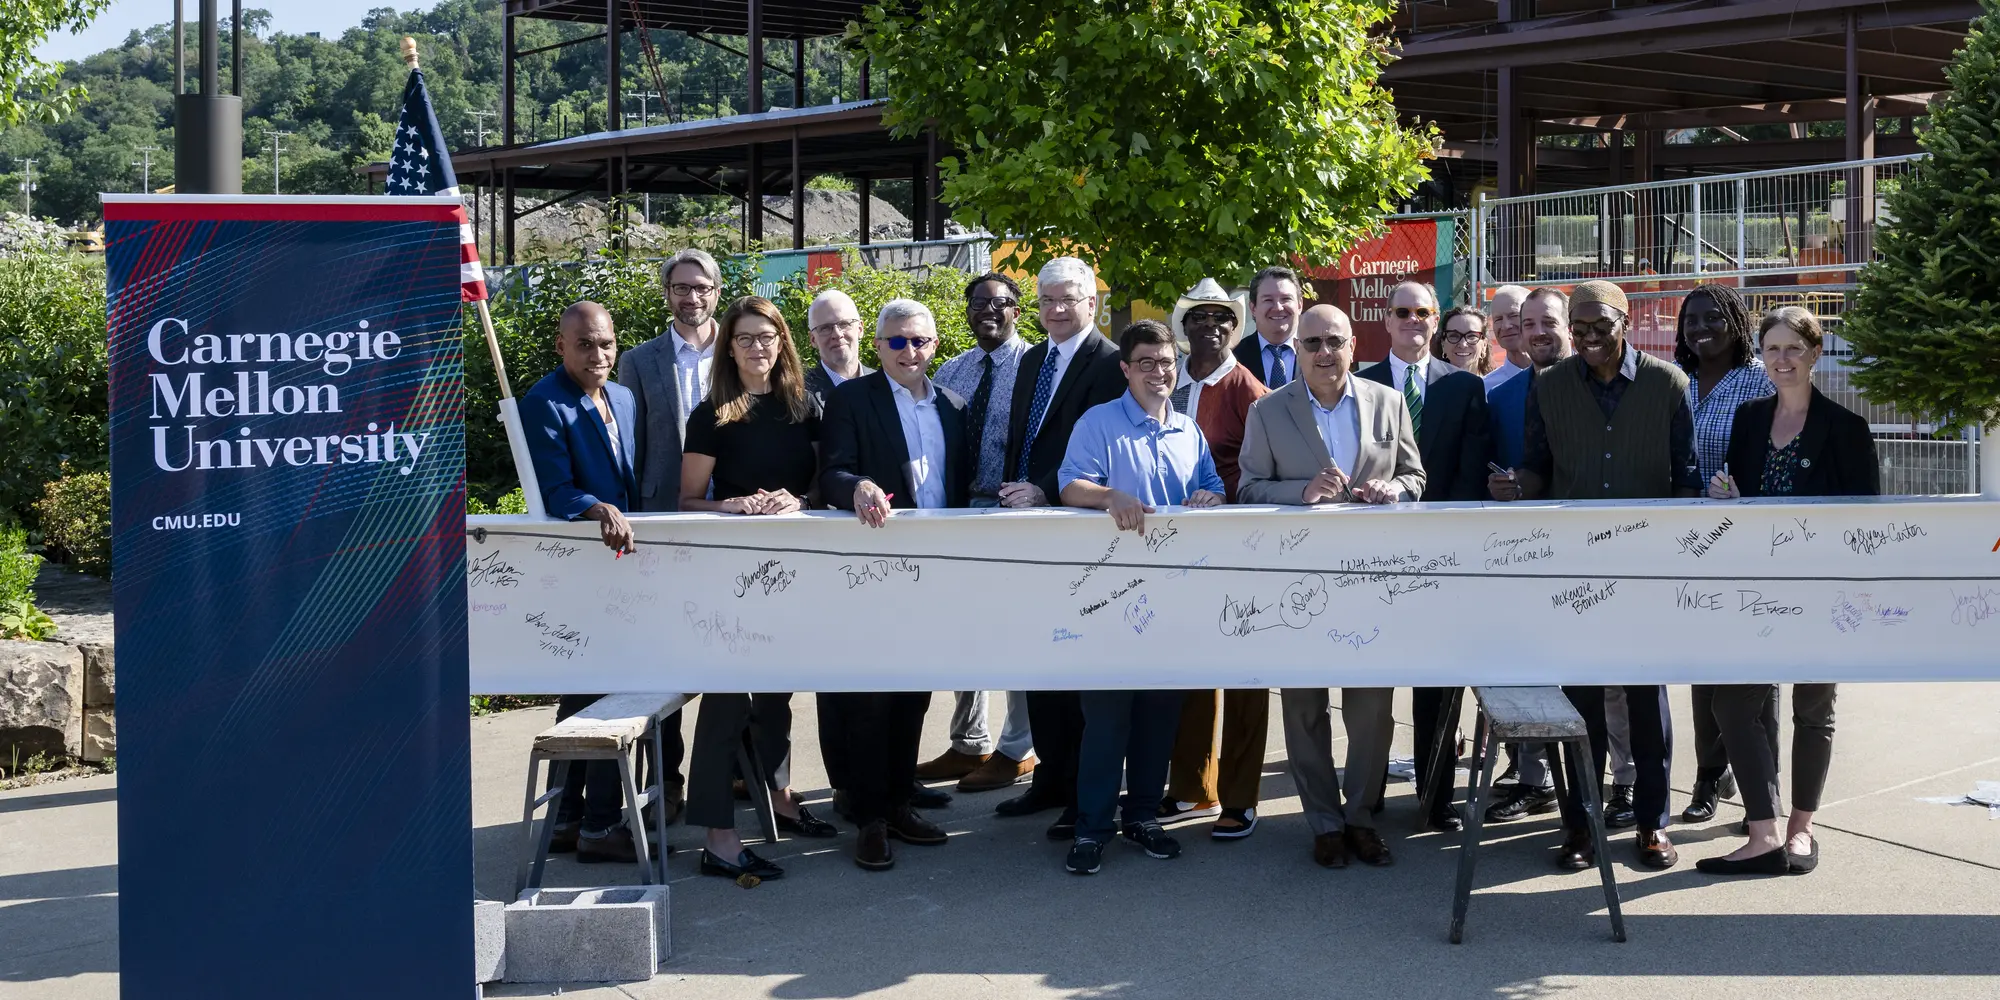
[[1325, 438]]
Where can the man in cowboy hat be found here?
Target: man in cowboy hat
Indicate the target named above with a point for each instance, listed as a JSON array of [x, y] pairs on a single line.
[[1217, 391]]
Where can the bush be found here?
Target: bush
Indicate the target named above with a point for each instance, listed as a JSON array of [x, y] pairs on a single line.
[[510, 503], [75, 514], [940, 288], [53, 373], [19, 619]]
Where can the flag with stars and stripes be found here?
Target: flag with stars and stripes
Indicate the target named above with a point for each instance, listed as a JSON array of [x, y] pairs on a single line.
[[420, 164]]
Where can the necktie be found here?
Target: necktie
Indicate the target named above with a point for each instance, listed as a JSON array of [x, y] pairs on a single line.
[[975, 426], [1045, 387], [1413, 398], [1277, 366]]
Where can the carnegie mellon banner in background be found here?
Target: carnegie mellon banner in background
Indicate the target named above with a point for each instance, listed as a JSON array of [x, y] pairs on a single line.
[[1360, 281], [288, 504]]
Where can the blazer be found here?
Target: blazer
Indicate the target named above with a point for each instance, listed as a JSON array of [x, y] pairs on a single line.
[[1836, 450], [861, 437], [1249, 353], [648, 370], [1507, 417], [1093, 377], [819, 385], [1455, 440], [571, 447], [1283, 450]]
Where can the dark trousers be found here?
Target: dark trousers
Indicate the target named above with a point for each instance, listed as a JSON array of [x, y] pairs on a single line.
[[598, 801], [878, 738], [832, 752], [718, 734], [1652, 752], [1426, 704], [1128, 735], [1748, 714], [1710, 758], [1056, 717]]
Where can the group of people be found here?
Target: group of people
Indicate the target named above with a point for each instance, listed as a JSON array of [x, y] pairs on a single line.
[[1253, 399]]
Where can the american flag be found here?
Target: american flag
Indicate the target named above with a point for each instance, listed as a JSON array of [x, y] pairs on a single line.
[[420, 164]]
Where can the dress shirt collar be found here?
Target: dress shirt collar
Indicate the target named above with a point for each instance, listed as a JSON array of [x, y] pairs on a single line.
[[1399, 371], [681, 345], [1628, 364], [1346, 399], [1228, 362], [833, 376], [1068, 348], [1141, 419], [1012, 345], [930, 391]]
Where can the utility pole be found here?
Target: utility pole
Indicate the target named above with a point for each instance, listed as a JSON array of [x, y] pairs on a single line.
[[145, 165], [276, 138], [479, 122], [28, 190]]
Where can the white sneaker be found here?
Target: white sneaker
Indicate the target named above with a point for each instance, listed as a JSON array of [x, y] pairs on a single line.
[[1176, 811]]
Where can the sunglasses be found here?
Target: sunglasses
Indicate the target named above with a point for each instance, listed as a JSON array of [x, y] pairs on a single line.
[[898, 343], [1210, 320], [1420, 312], [1314, 345]]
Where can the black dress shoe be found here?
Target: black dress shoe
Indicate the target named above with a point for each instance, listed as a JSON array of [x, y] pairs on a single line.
[[807, 825], [924, 797], [1802, 864], [911, 828], [1618, 810], [1701, 805], [1064, 828], [1027, 803], [871, 849], [1444, 819], [1771, 862], [1577, 853], [746, 863], [1522, 802]]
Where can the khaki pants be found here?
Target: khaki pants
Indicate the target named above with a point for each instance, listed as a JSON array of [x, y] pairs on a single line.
[[1196, 773]]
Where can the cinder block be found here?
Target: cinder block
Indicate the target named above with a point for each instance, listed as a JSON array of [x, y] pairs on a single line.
[[613, 934], [489, 939]]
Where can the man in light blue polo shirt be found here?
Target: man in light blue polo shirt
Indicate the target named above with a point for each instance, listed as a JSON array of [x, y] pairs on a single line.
[[1132, 456]]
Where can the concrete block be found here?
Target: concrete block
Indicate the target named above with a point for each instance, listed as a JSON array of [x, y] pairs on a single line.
[[489, 940], [41, 698], [601, 935], [100, 735], [100, 677]]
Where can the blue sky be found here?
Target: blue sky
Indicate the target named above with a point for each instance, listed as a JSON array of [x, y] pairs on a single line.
[[329, 17]]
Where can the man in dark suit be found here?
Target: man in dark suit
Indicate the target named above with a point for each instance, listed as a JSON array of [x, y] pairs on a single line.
[[1448, 407], [1074, 370], [1275, 305], [581, 428], [835, 326], [890, 440]]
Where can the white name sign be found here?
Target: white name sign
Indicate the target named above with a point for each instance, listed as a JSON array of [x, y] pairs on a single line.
[[1671, 591]]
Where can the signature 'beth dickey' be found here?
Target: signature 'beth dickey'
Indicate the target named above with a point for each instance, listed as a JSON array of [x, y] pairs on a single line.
[[193, 396]]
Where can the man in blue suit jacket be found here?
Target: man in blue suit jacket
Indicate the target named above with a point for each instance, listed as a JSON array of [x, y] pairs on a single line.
[[579, 426]]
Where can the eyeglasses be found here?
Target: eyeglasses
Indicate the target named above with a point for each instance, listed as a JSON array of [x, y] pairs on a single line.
[[898, 343], [1213, 320], [1420, 312], [980, 303], [763, 341], [1601, 328], [1153, 366], [1063, 305], [1464, 337], [686, 290], [1314, 345], [840, 325]]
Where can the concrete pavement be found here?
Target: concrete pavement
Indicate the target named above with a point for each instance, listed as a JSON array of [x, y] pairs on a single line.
[[1904, 902]]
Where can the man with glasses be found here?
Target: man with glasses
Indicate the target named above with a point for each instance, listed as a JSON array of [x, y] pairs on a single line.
[[1448, 410], [1060, 378], [835, 326], [890, 440], [985, 375], [1332, 438], [1132, 456], [1275, 301], [1503, 315], [1612, 422]]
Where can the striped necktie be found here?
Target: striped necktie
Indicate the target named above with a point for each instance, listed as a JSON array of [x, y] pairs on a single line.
[[1413, 399]]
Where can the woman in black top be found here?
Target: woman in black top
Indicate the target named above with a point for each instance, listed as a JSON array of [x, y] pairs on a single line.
[[756, 439], [1796, 443]]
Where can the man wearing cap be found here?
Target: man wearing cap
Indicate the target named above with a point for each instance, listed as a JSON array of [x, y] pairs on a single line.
[[1611, 422], [1217, 392]]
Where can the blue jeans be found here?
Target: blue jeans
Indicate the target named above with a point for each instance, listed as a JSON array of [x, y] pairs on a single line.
[[1129, 735]]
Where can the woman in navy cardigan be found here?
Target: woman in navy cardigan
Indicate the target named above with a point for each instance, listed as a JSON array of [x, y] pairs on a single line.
[[1796, 443]]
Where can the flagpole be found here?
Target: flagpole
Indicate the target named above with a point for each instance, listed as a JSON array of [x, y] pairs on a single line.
[[510, 410]]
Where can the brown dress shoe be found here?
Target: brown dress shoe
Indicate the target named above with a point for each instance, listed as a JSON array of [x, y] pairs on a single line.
[[911, 828], [1656, 851], [1577, 854], [999, 771], [871, 848], [950, 765], [562, 838], [1364, 843], [1330, 850], [615, 845]]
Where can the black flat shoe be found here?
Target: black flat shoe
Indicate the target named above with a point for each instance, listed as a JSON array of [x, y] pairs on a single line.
[[1802, 864], [747, 863], [1771, 862], [807, 825], [1027, 803], [924, 797]]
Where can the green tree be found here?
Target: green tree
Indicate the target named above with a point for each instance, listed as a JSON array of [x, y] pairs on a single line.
[[31, 87], [1165, 141], [1926, 322]]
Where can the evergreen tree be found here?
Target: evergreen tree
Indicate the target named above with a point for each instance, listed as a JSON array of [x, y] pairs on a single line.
[[1926, 322]]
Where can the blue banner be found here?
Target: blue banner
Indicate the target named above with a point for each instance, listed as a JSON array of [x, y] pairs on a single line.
[[288, 501]]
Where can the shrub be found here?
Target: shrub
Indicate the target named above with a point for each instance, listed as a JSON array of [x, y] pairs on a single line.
[[940, 288], [19, 618], [510, 503], [52, 373], [75, 514]]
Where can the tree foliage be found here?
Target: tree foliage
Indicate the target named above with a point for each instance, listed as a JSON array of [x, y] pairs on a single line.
[[1926, 321], [32, 88], [1167, 142], [53, 370]]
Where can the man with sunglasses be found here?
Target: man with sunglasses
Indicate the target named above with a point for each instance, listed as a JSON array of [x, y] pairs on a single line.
[[835, 326], [890, 440], [1611, 422], [1132, 456], [1448, 410], [985, 376], [1275, 302]]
